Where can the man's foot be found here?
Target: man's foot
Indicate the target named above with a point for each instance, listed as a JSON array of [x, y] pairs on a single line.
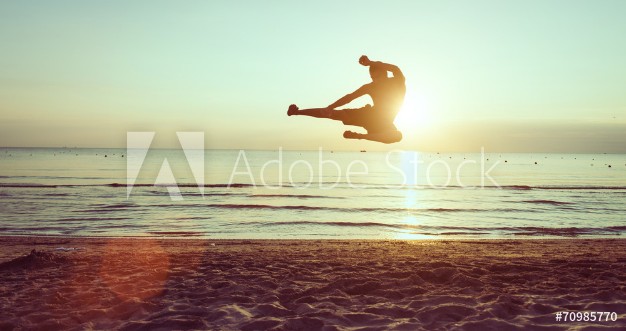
[[353, 135], [293, 110]]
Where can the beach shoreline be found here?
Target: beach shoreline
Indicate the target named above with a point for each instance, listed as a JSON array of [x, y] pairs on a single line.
[[150, 283]]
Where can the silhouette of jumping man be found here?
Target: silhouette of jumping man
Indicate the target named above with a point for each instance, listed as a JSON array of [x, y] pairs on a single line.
[[387, 94]]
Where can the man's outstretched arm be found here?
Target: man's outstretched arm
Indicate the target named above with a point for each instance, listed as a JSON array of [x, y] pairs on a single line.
[[397, 73]]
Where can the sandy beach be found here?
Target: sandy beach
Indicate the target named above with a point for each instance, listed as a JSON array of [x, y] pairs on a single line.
[[53, 283]]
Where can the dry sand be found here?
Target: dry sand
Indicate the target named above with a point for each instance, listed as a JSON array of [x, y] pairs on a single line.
[[148, 284]]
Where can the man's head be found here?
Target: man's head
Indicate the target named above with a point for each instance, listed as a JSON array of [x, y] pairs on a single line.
[[377, 73]]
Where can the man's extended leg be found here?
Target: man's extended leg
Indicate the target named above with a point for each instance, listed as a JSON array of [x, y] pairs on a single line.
[[313, 112], [386, 137]]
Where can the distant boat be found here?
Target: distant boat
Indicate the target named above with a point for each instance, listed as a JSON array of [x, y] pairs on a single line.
[[363, 151]]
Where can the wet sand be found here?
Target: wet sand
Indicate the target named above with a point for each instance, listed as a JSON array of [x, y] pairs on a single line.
[[51, 283]]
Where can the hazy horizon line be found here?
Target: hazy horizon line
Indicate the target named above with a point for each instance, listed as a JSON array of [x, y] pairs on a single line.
[[316, 150]]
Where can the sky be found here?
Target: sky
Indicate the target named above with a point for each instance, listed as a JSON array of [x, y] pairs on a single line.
[[509, 76]]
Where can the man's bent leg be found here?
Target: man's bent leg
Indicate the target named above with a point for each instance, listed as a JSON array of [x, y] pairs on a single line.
[[387, 137]]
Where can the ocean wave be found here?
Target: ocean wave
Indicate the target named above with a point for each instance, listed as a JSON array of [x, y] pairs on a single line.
[[80, 219], [564, 232], [338, 223], [27, 185], [106, 208], [460, 230], [233, 185], [346, 185], [211, 194], [113, 206], [299, 196], [548, 202], [133, 229], [177, 233], [340, 209]]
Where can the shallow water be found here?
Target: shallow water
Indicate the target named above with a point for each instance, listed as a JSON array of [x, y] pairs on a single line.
[[312, 194]]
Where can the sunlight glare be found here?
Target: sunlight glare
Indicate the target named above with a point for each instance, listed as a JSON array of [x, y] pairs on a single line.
[[416, 113]]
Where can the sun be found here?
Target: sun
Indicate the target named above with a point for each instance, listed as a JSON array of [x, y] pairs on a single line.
[[416, 113]]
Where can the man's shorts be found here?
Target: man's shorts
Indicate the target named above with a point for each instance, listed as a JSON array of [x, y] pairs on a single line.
[[368, 118]]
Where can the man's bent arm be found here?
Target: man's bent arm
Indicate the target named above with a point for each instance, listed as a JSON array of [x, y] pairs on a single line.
[[389, 67], [346, 99]]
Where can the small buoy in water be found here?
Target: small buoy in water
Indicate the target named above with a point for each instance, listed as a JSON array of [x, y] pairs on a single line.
[[122, 155], [535, 162], [609, 165], [505, 161], [105, 155]]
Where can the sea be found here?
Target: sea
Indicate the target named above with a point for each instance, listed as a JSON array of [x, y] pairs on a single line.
[[319, 194]]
